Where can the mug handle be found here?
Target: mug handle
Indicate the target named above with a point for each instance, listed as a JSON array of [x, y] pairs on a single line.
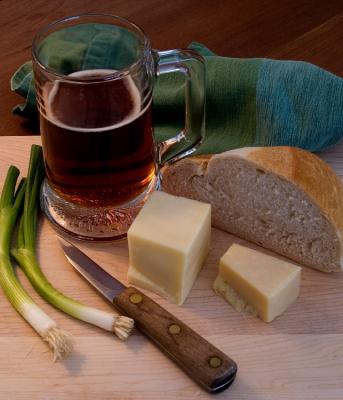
[[192, 65]]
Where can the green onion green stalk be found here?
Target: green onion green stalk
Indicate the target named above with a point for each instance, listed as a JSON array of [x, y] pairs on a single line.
[[11, 202], [25, 255]]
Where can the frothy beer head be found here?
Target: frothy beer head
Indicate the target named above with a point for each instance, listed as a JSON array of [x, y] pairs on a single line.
[[92, 105]]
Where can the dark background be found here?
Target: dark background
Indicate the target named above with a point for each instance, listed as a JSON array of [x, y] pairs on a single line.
[[310, 30]]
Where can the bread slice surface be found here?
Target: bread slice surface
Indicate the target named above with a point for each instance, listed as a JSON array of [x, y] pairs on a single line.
[[284, 199]]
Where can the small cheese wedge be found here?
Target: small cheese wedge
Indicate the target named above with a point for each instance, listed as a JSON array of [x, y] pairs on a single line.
[[168, 243], [252, 281]]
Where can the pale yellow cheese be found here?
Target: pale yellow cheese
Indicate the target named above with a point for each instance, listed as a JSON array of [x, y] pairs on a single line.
[[256, 282], [168, 243]]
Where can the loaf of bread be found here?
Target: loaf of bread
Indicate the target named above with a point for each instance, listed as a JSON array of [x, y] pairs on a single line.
[[285, 199]]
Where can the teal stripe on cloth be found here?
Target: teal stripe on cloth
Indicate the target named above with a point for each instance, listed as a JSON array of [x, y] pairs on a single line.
[[298, 104], [250, 102]]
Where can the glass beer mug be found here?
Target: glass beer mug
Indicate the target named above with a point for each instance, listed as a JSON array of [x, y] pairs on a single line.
[[94, 77]]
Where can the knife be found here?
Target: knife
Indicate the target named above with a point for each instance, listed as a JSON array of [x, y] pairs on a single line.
[[204, 363]]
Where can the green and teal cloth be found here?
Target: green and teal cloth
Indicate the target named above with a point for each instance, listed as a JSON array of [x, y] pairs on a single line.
[[250, 102]]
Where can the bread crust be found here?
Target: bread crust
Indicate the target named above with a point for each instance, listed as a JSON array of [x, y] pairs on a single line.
[[314, 176]]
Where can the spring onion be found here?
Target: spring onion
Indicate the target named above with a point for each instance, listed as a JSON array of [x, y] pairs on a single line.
[[10, 205], [25, 255]]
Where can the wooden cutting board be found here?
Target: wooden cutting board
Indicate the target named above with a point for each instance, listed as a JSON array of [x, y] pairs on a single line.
[[298, 356]]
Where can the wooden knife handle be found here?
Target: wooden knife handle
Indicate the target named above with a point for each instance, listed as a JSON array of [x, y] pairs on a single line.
[[203, 362]]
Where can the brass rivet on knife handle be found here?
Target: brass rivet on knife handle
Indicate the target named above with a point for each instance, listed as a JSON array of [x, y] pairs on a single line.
[[136, 298], [202, 361], [215, 362], [174, 329]]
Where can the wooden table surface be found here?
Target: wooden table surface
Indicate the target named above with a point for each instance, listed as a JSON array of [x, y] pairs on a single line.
[[310, 30], [299, 356]]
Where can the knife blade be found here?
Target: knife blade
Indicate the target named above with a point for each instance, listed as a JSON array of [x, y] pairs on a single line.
[[203, 362]]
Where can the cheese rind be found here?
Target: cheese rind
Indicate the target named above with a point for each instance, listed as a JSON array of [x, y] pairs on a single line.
[[262, 283], [168, 243], [231, 296]]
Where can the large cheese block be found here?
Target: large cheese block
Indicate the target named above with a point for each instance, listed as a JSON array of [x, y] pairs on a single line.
[[168, 243], [256, 282]]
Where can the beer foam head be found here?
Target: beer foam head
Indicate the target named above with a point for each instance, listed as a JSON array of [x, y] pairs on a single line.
[[55, 115]]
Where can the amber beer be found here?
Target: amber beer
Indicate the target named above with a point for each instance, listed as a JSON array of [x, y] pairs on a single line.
[[98, 142]]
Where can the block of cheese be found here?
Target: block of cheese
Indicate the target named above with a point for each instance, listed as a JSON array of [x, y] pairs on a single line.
[[168, 243], [256, 282]]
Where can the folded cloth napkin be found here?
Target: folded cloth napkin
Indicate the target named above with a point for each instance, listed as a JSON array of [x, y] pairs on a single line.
[[250, 102]]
